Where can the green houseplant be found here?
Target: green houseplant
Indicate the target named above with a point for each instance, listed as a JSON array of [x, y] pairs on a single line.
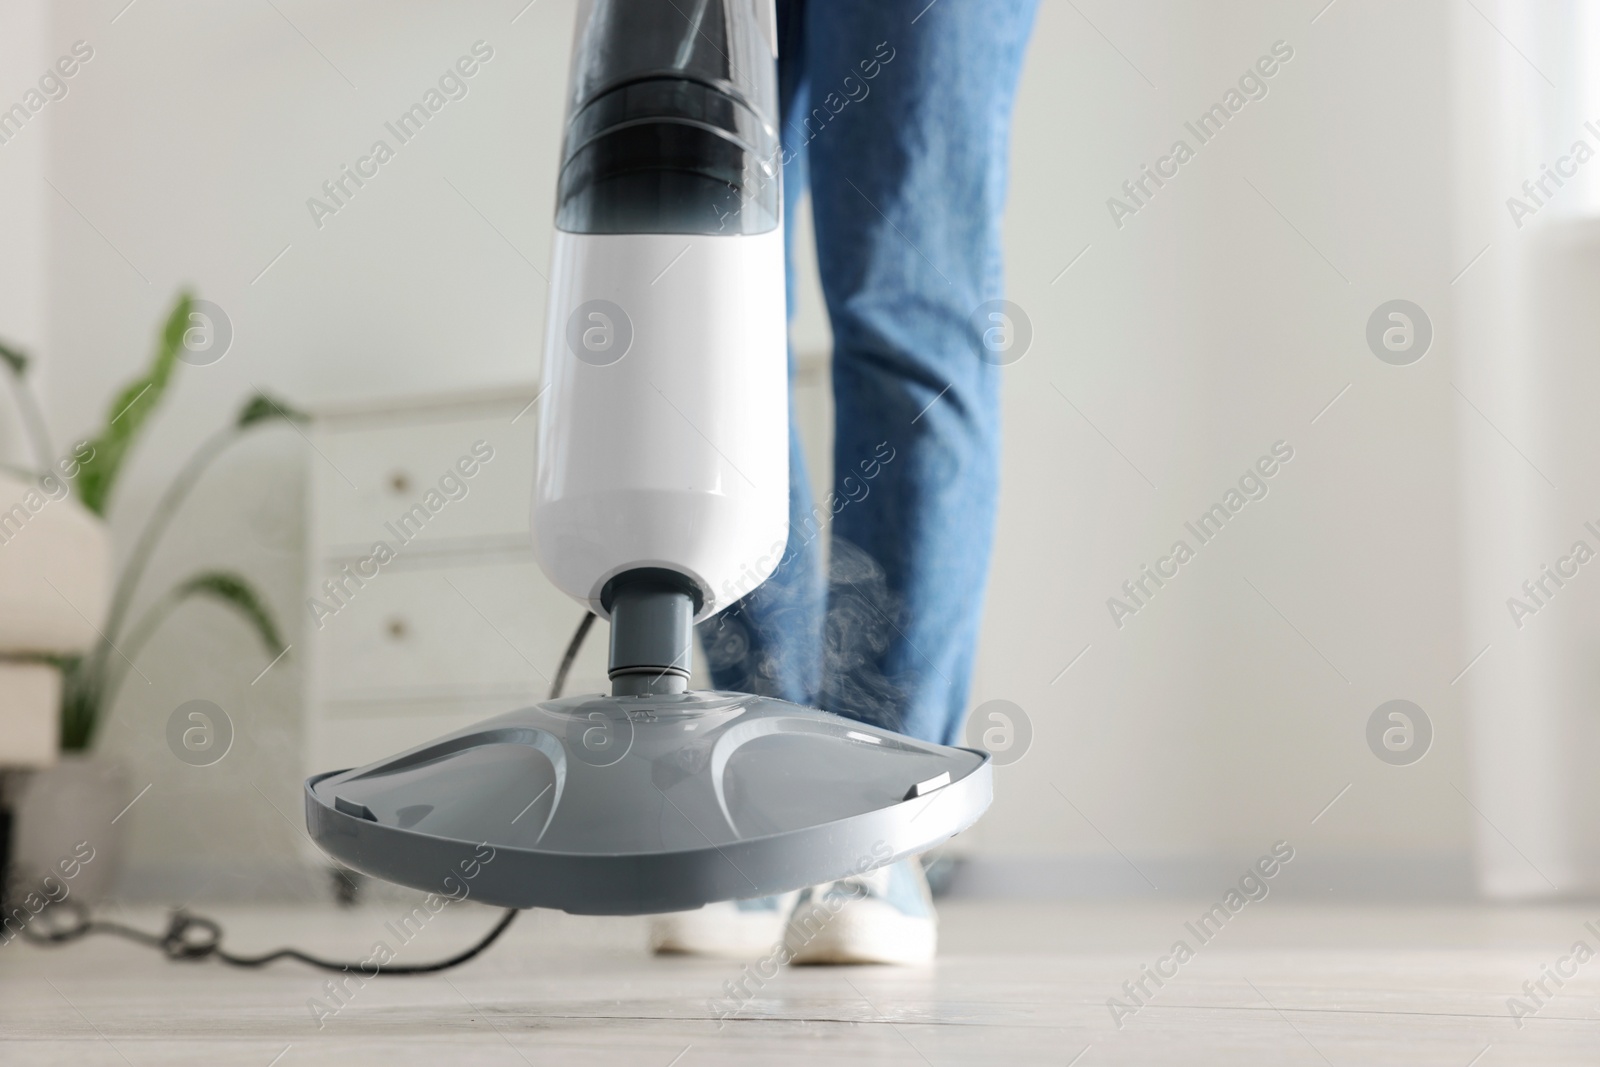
[[91, 681]]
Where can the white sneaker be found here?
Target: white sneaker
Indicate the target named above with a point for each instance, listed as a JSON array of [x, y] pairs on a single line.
[[735, 928], [884, 916]]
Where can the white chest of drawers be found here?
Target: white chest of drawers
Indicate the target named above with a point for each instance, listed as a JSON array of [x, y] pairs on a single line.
[[425, 609]]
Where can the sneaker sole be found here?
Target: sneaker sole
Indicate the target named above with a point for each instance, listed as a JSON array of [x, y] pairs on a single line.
[[868, 931], [725, 935]]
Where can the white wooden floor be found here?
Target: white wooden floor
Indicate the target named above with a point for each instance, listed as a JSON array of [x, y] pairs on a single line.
[[1016, 984]]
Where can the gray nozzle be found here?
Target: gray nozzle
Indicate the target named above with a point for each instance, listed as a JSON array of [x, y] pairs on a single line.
[[652, 632]]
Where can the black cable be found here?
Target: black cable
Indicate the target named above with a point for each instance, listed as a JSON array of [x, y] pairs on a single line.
[[178, 944], [567, 660]]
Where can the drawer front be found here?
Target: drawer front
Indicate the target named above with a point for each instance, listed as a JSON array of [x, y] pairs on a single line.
[[492, 628], [407, 483]]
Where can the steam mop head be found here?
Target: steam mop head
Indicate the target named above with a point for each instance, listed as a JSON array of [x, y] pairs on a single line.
[[626, 805]]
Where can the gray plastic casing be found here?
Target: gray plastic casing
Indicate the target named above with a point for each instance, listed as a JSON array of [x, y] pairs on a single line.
[[627, 805]]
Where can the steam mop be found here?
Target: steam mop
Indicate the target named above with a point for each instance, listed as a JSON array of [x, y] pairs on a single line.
[[662, 497]]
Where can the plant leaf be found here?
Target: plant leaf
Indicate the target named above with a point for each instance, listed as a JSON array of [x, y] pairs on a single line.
[[129, 412], [80, 702], [88, 695], [14, 359], [261, 407], [231, 589]]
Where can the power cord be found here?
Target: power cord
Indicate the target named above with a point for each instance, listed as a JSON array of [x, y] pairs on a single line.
[[181, 943], [559, 686]]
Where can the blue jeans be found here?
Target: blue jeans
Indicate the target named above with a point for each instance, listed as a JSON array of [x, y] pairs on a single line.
[[898, 113]]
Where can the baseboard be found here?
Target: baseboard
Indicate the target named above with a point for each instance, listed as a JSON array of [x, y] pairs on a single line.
[[1375, 877]]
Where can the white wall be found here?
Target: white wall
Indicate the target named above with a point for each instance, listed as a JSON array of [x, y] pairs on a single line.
[[1210, 325], [24, 56], [1205, 329], [1527, 315]]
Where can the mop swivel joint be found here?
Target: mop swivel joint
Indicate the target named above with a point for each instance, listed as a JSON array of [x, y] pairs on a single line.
[[652, 631]]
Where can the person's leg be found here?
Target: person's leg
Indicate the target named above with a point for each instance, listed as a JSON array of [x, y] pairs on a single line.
[[908, 129], [770, 642]]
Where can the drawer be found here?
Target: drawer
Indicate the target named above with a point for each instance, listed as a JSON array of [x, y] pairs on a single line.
[[373, 482], [463, 628]]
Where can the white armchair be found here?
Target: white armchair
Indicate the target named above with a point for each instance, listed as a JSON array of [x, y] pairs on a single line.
[[55, 586]]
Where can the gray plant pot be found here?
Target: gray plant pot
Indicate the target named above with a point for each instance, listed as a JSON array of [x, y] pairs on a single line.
[[64, 830]]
